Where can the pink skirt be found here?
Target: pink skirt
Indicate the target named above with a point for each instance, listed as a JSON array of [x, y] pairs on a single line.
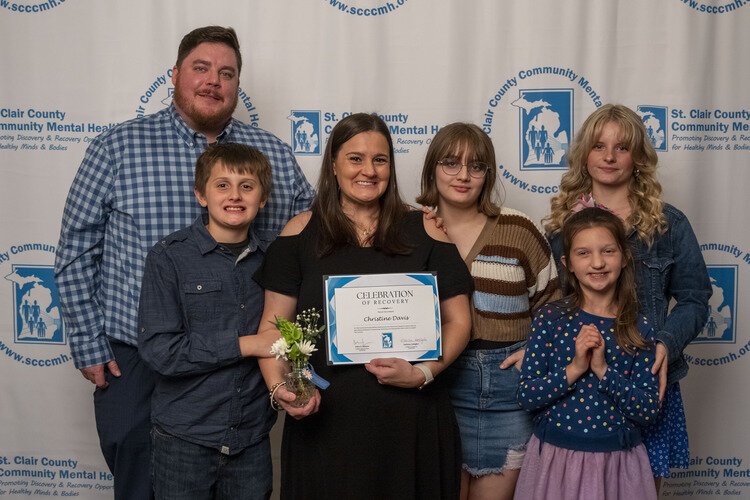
[[558, 473]]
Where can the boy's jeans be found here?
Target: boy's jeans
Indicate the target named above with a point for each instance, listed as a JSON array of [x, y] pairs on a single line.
[[186, 471]]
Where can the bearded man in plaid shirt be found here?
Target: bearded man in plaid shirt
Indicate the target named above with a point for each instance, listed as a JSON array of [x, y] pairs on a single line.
[[134, 186]]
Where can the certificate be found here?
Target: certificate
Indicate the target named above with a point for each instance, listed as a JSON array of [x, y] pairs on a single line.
[[382, 316]]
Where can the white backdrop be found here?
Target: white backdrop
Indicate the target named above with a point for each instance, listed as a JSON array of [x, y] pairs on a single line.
[[72, 68]]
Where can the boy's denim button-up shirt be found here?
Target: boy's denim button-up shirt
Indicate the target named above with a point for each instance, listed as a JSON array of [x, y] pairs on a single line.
[[671, 269], [197, 299]]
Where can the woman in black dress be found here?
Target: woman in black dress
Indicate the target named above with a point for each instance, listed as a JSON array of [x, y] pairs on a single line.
[[381, 430]]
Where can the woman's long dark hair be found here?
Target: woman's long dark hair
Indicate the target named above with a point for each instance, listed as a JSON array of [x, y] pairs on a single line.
[[626, 297], [336, 229]]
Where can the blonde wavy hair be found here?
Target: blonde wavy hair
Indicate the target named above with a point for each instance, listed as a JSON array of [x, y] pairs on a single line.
[[647, 215]]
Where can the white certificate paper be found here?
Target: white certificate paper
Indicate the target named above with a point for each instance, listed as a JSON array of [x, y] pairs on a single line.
[[382, 316]]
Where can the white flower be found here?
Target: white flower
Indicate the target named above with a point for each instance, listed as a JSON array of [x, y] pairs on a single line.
[[306, 347], [280, 348]]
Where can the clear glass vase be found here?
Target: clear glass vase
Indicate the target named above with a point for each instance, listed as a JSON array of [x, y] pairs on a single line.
[[300, 385]]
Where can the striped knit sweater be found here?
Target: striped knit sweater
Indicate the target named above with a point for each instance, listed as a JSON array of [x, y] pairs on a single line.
[[514, 274]]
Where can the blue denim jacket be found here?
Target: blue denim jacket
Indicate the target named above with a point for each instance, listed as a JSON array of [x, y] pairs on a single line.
[[672, 268]]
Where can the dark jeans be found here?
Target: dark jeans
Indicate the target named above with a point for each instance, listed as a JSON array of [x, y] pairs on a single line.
[[186, 471], [123, 421]]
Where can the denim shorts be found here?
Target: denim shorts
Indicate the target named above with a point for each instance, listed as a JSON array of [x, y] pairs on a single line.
[[489, 417]]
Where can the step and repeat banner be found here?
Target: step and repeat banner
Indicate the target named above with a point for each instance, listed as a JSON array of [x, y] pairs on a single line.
[[72, 69]]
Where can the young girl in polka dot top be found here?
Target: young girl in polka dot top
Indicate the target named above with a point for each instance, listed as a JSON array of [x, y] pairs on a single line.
[[587, 374]]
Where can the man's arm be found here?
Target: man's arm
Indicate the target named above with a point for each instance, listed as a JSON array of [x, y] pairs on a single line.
[[291, 193], [77, 264], [303, 192]]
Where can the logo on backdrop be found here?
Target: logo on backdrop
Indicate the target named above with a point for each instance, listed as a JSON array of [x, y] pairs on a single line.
[[721, 341], [543, 99], [546, 126], [709, 129], [31, 7], [159, 93], [35, 326], [36, 305], [721, 306], [30, 128], [356, 8], [310, 130], [305, 132], [715, 7], [655, 120]]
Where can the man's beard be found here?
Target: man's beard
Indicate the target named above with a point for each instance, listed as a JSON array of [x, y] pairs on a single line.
[[202, 121]]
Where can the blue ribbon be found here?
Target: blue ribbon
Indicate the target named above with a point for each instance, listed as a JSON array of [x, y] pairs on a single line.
[[316, 379]]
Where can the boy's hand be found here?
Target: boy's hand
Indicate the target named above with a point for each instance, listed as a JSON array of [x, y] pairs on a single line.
[[258, 346], [285, 398]]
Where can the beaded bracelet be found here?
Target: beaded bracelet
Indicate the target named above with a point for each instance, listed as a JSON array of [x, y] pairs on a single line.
[[275, 404]]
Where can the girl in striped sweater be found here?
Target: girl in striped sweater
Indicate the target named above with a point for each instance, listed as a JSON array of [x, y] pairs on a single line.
[[514, 273]]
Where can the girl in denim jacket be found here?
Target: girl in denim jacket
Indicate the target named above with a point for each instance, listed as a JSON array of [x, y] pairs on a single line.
[[612, 159]]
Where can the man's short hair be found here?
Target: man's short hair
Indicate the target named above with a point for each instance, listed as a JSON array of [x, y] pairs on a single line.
[[238, 158], [209, 34]]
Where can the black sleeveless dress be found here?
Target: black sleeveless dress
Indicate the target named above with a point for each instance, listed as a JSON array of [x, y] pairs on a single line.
[[367, 440]]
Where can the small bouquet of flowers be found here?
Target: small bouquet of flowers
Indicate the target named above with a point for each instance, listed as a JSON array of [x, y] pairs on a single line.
[[296, 344]]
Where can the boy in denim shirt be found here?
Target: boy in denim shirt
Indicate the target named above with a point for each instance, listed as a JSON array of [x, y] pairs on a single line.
[[198, 316]]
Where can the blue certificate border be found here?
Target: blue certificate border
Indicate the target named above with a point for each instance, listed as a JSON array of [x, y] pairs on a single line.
[[331, 283]]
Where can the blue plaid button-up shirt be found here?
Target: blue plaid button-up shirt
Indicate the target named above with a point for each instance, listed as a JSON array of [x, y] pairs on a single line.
[[134, 186]]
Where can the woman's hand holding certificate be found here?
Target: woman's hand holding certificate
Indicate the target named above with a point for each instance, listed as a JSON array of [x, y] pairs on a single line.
[[396, 372]]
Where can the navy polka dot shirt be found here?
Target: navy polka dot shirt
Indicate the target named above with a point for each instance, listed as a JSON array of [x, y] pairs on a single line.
[[590, 414]]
